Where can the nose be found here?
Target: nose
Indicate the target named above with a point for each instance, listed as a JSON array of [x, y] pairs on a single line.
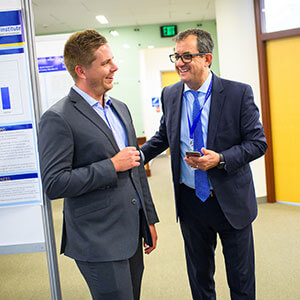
[[114, 67], [179, 63]]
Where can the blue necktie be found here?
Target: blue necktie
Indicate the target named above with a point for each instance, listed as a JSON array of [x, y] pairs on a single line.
[[201, 180]]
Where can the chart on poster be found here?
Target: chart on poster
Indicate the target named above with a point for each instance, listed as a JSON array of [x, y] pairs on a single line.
[[11, 101]]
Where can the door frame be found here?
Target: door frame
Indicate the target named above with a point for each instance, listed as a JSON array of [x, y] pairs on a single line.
[[261, 39]]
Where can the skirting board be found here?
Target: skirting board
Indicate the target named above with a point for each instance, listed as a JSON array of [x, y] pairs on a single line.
[[22, 248]]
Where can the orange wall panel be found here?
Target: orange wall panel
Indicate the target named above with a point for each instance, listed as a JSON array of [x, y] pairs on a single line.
[[283, 59]]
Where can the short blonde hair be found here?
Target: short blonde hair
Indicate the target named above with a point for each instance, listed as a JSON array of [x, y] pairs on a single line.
[[80, 49]]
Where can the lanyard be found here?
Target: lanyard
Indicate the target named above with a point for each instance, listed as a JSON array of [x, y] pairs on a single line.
[[193, 126]]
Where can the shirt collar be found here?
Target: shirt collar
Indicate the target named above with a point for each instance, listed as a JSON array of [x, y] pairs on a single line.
[[89, 99], [204, 87]]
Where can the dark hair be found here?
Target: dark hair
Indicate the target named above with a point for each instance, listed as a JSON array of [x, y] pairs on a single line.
[[80, 49], [205, 42]]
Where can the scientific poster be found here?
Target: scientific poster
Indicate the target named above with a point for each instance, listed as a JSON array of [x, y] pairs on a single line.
[[20, 182]]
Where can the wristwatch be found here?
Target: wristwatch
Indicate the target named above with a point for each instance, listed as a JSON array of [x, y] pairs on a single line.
[[221, 164]]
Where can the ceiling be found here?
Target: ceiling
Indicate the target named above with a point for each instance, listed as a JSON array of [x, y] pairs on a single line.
[[56, 16]]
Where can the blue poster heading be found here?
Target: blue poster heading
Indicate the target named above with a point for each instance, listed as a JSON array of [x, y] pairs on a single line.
[[51, 64], [11, 27], [11, 51], [15, 127], [18, 177]]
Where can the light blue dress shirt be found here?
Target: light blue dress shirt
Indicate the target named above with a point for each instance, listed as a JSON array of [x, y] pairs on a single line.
[[187, 175], [112, 120], [109, 116]]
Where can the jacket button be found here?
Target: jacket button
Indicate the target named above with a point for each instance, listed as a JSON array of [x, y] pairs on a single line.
[[133, 201]]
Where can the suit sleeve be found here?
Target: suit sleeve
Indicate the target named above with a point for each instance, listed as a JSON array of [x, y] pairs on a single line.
[[149, 206], [159, 142], [56, 150], [253, 143]]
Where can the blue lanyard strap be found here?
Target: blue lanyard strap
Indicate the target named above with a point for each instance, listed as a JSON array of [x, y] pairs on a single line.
[[195, 122]]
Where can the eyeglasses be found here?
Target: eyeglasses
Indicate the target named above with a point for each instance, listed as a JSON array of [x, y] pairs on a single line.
[[186, 57]]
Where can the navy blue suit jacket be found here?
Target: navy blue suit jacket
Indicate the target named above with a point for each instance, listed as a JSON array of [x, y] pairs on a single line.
[[234, 129]]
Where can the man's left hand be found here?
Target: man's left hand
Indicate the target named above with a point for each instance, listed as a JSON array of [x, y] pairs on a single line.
[[208, 160], [149, 249]]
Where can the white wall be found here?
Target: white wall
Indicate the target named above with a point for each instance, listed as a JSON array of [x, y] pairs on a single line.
[[54, 85], [238, 58], [152, 63]]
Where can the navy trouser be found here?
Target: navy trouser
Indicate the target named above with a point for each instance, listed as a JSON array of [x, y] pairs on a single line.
[[200, 223]]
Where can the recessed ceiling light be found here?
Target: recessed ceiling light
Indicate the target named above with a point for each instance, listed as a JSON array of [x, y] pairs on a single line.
[[102, 19], [126, 46], [150, 46], [114, 32]]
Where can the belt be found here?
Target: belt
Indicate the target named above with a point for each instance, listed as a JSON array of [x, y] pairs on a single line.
[[212, 193]]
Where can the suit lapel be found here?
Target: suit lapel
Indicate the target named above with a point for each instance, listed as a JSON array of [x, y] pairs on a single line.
[[83, 107], [176, 113], [217, 101]]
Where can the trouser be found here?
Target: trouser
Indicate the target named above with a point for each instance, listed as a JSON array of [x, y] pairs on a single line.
[[200, 223], [115, 280]]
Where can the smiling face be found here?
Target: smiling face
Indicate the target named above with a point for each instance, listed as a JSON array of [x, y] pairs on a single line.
[[97, 78], [194, 73]]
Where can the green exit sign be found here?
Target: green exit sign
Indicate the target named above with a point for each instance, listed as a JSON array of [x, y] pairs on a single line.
[[168, 31]]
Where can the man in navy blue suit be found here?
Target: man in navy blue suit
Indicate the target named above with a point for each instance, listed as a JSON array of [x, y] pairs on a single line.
[[214, 188]]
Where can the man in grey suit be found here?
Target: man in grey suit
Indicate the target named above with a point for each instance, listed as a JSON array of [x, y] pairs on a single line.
[[89, 156]]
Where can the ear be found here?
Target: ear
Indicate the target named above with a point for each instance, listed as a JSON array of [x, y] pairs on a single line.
[[80, 72], [208, 58]]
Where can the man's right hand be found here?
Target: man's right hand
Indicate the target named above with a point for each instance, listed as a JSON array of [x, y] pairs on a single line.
[[126, 159]]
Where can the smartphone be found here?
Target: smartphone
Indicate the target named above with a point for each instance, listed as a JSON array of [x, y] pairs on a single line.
[[192, 154]]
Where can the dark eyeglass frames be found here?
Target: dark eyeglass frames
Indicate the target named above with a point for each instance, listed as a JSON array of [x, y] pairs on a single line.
[[186, 57]]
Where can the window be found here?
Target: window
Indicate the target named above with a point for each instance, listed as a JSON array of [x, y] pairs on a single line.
[[280, 15]]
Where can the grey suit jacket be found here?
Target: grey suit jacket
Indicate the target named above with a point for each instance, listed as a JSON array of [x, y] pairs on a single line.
[[101, 218]]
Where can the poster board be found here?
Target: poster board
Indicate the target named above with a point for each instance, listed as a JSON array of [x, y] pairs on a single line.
[[25, 214], [21, 225]]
